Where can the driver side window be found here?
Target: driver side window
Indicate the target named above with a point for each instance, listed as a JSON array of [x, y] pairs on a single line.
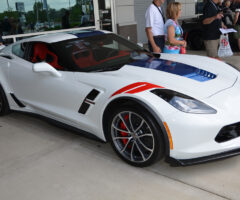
[[18, 50], [42, 52]]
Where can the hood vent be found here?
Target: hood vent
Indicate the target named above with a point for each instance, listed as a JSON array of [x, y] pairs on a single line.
[[176, 68]]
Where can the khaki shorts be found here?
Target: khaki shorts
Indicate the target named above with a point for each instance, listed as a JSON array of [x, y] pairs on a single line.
[[212, 47], [237, 34]]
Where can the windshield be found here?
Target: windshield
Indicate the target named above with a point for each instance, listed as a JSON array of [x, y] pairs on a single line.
[[98, 53]]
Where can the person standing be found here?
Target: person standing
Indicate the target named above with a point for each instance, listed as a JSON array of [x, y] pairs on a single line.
[[228, 14], [1, 40], [234, 5], [173, 31], [6, 26], [236, 24], [212, 21], [65, 20], [155, 26]]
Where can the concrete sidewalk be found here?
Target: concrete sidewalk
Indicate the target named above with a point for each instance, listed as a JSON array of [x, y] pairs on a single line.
[[39, 161]]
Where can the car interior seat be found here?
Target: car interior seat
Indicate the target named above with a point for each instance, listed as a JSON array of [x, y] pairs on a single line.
[[42, 53]]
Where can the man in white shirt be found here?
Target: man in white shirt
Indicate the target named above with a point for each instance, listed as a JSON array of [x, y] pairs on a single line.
[[155, 26]]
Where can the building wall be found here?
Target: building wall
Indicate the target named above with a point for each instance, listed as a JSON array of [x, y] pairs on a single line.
[[140, 7], [188, 8], [125, 19]]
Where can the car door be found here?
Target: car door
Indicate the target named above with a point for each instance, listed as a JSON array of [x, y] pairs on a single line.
[[58, 97]]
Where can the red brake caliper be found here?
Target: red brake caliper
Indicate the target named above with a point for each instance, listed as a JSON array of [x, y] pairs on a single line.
[[123, 127]]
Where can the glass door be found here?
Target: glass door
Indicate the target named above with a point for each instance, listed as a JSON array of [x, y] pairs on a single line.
[[106, 15]]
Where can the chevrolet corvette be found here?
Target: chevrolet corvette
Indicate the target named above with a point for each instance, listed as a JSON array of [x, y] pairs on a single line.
[[183, 108]]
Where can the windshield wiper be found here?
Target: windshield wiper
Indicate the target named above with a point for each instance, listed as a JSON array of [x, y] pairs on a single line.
[[109, 68], [156, 55]]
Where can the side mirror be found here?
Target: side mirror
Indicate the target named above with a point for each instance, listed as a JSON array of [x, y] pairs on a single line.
[[45, 67], [140, 44]]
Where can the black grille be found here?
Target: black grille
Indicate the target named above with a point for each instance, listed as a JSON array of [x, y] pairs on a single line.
[[228, 133]]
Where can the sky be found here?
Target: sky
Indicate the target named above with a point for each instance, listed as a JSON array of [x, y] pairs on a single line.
[[28, 4]]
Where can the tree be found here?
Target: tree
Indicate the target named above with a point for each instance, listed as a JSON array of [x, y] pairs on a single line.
[[76, 13], [40, 13], [31, 17]]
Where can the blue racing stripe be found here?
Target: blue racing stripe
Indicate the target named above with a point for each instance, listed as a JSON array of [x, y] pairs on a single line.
[[177, 68], [87, 33]]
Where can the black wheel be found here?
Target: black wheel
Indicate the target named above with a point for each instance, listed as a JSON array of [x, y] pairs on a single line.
[[4, 106], [135, 136]]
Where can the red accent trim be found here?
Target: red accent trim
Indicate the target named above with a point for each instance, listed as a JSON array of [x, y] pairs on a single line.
[[143, 88], [136, 87], [128, 87]]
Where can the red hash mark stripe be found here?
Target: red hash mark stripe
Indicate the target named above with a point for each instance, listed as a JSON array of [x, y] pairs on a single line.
[[136, 87]]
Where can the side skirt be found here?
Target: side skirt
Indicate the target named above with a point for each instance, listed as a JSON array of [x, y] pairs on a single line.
[[65, 126]]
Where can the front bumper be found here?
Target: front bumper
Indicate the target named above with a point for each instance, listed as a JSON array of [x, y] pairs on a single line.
[[194, 135], [185, 162]]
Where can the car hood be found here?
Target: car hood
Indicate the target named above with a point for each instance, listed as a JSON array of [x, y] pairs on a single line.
[[196, 76]]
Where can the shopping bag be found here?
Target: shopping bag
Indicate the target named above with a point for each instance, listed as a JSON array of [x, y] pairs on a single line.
[[183, 50], [224, 47]]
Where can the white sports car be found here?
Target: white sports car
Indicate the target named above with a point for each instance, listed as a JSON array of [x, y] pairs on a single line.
[[182, 107]]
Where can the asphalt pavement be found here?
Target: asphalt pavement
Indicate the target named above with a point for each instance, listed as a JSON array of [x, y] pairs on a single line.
[[41, 161]]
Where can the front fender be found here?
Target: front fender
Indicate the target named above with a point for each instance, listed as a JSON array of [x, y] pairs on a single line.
[[134, 100]]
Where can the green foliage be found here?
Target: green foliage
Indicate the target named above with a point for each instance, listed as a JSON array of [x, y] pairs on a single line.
[[75, 14], [74, 24], [41, 15], [53, 14], [37, 14], [30, 17], [52, 29], [9, 14]]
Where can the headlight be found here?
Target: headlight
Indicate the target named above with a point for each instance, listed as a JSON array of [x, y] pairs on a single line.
[[183, 102]]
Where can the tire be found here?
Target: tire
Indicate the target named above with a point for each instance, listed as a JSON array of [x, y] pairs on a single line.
[[4, 106], [135, 136]]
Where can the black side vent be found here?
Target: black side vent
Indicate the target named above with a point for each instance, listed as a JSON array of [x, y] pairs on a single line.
[[6, 56], [18, 102], [84, 107], [88, 100], [92, 95]]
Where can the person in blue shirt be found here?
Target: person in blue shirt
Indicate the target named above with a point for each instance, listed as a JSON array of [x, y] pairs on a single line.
[[173, 31]]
